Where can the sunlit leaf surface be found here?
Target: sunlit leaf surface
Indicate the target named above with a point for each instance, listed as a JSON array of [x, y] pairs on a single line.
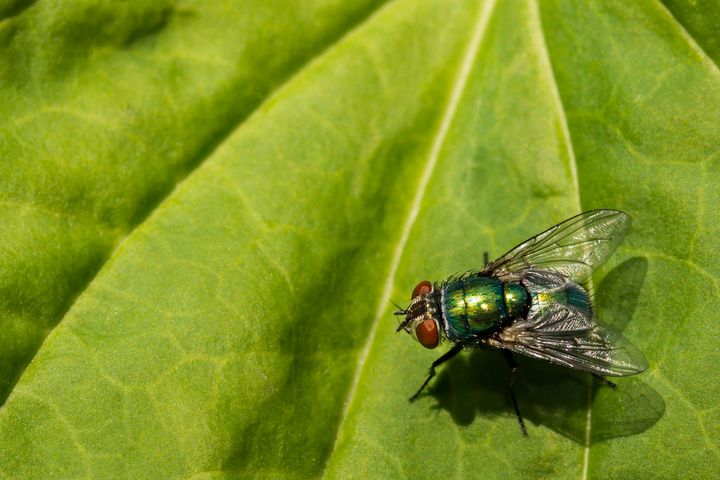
[[207, 208]]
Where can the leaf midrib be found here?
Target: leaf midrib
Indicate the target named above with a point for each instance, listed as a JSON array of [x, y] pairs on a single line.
[[572, 165], [458, 88]]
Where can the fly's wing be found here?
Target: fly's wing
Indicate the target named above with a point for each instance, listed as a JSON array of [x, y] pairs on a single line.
[[563, 341], [564, 331], [573, 248]]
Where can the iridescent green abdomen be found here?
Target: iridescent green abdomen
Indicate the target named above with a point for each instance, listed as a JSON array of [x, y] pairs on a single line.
[[474, 305], [569, 294]]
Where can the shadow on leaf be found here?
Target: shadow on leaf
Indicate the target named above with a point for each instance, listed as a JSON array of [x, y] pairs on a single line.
[[558, 398]]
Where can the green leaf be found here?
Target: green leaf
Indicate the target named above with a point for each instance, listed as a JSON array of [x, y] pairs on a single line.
[[106, 107], [255, 184]]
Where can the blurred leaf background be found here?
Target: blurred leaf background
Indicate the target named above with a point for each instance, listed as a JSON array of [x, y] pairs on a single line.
[[206, 208]]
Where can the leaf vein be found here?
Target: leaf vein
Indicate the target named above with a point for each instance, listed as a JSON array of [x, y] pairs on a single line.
[[572, 166], [458, 88], [692, 43]]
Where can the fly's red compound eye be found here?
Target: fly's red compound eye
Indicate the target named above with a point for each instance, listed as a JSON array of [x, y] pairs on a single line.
[[422, 288], [427, 333]]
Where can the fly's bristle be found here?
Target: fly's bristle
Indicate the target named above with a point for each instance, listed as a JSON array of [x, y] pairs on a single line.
[[402, 325], [399, 308]]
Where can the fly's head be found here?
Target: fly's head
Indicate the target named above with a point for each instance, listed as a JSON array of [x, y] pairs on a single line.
[[421, 316]]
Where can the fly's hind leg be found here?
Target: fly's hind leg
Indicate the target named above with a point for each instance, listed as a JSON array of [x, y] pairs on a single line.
[[604, 380], [513, 370], [447, 356]]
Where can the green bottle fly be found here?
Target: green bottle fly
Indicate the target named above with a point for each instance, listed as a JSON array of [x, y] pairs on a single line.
[[531, 301]]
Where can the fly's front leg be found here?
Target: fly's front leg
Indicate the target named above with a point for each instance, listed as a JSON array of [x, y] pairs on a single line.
[[604, 380], [447, 356], [513, 370], [486, 258]]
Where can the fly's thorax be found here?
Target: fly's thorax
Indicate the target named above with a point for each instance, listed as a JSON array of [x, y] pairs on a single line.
[[517, 300], [474, 305]]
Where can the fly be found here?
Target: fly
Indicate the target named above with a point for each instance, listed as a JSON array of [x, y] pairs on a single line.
[[531, 301]]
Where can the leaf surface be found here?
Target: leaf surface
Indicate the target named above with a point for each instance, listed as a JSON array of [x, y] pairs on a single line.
[[322, 161], [106, 107]]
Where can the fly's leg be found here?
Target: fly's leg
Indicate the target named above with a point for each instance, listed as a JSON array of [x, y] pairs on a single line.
[[604, 380], [486, 258], [513, 370], [447, 356]]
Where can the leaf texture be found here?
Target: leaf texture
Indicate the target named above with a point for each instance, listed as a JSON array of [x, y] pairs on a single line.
[[208, 208]]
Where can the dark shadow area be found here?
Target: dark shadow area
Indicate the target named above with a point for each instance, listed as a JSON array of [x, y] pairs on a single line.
[[476, 384], [617, 295], [15, 8]]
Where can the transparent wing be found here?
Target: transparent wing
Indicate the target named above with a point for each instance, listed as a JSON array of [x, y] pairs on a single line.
[[570, 337], [573, 248]]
